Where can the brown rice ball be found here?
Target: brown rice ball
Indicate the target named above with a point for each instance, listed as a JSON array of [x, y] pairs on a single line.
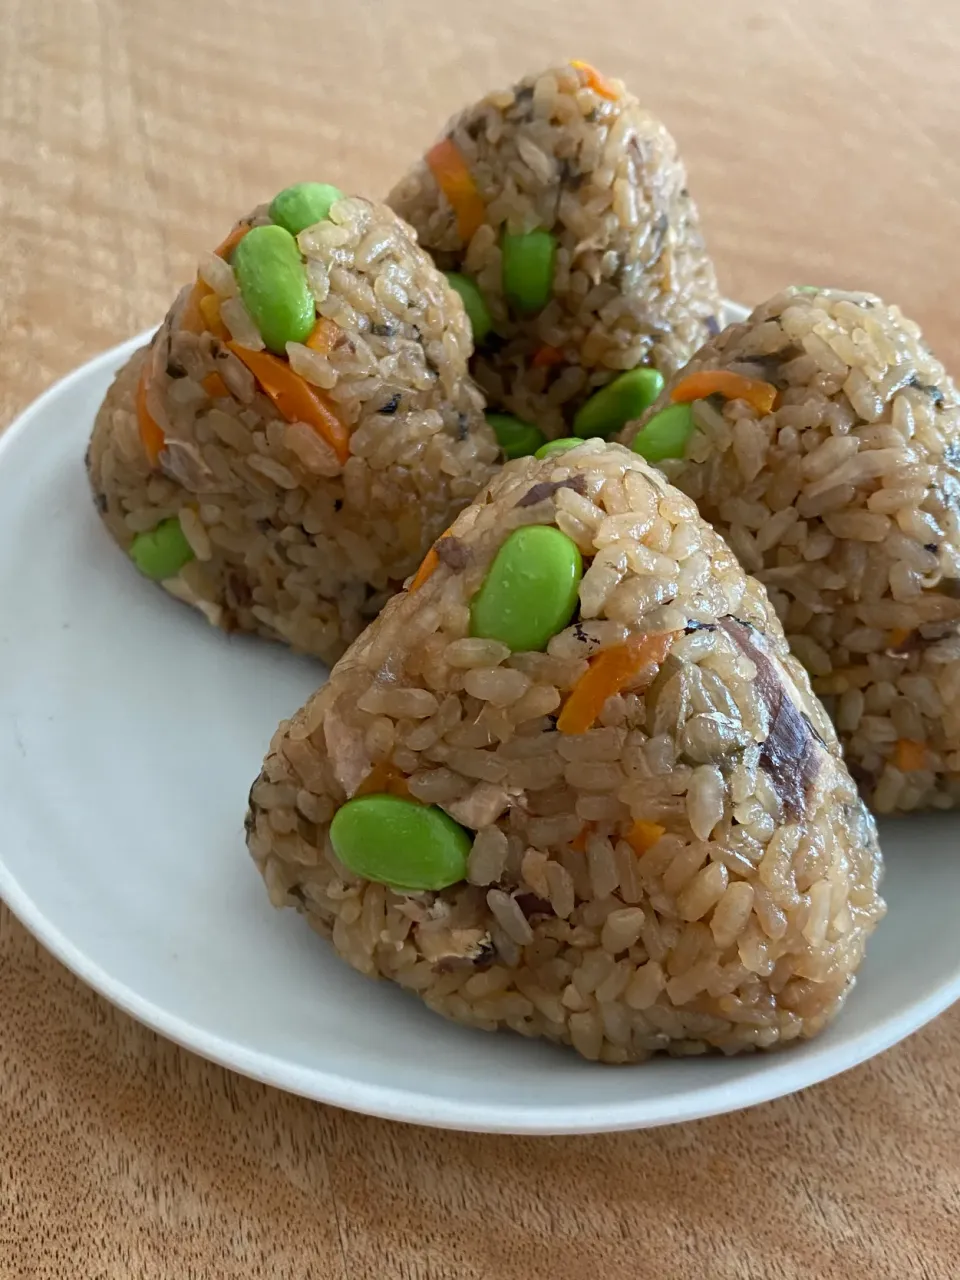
[[659, 845], [573, 154], [308, 481], [844, 500]]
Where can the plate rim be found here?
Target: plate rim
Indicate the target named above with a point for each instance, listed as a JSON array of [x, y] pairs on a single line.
[[782, 1077]]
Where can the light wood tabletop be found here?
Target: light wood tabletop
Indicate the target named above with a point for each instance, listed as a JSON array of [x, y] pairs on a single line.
[[823, 144]]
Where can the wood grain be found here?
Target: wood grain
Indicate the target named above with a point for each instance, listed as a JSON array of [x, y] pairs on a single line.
[[823, 142]]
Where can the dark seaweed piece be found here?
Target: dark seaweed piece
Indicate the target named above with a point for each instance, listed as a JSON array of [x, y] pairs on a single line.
[[713, 325], [659, 232], [532, 905], [547, 488], [693, 625], [480, 955], [931, 546], [951, 454], [391, 405], [570, 177], [250, 820], [452, 552], [935, 394], [580, 634], [791, 753], [337, 504], [463, 426], [175, 370], [387, 330], [237, 591], [864, 778]]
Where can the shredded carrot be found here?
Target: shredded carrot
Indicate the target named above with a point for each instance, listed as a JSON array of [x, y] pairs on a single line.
[[910, 756], [898, 636], [428, 566], [384, 778], [295, 398], [210, 310], [732, 386], [644, 835], [324, 336], [214, 386], [579, 842], [607, 674], [151, 433], [546, 356], [191, 317], [226, 247], [456, 182], [595, 81]]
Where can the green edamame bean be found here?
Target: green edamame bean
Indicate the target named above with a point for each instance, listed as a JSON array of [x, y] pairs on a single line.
[[273, 286], [162, 552], [558, 446], [612, 407], [400, 843], [303, 204], [530, 591], [478, 313], [527, 265], [666, 434], [517, 439]]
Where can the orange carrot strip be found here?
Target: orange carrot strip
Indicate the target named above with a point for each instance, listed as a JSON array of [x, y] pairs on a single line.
[[644, 835], [428, 566], [210, 310], [226, 247], [546, 356], [595, 81], [456, 182], [151, 433], [191, 318], [910, 756], [579, 842], [324, 336], [898, 636], [295, 398], [732, 386], [384, 778], [607, 674], [214, 386]]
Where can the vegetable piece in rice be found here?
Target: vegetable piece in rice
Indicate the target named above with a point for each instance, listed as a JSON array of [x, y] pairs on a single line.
[[304, 415], [822, 440], [566, 205], [635, 834]]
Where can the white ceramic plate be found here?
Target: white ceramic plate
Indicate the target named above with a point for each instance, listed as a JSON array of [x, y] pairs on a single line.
[[129, 734]]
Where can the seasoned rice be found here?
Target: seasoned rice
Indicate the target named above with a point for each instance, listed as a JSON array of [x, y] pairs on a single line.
[[693, 872], [633, 282], [845, 502], [289, 540]]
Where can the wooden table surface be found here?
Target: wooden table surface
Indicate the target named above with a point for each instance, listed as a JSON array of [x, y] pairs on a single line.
[[823, 143]]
